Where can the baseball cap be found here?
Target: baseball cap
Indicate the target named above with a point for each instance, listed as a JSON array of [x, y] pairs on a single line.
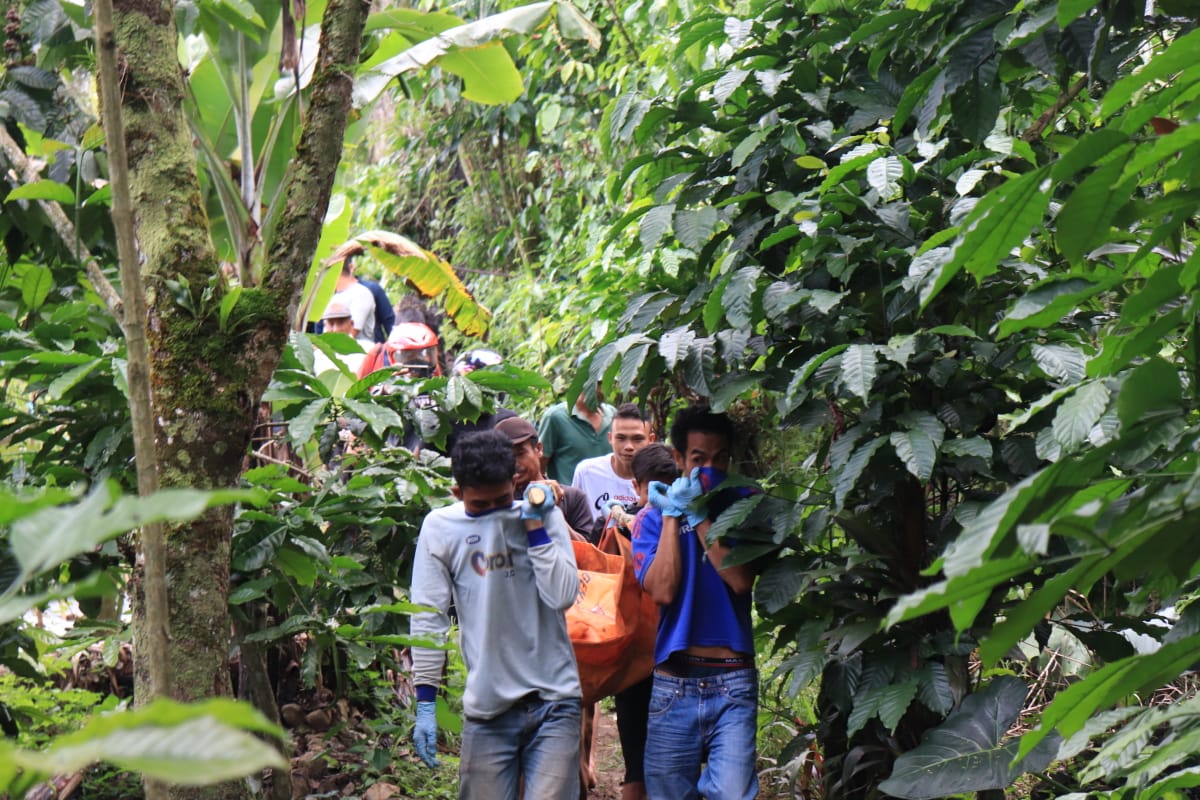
[[516, 429], [336, 311]]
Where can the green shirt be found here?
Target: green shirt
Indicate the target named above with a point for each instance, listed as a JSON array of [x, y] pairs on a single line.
[[567, 438]]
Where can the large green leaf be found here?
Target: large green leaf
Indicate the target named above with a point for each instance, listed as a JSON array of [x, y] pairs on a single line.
[[43, 190], [968, 752], [423, 270], [1079, 413], [186, 745], [1049, 302], [858, 369], [51, 536], [917, 450], [1152, 386], [1179, 57], [472, 54], [1085, 218], [1072, 707], [999, 222]]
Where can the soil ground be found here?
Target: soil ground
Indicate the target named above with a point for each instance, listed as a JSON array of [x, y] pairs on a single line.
[[610, 766]]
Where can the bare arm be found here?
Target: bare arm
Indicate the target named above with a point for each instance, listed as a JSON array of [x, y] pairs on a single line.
[[662, 577], [739, 578]]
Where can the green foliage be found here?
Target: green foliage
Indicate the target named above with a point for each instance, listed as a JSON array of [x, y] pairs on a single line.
[[44, 712], [967, 753], [187, 745], [837, 229]]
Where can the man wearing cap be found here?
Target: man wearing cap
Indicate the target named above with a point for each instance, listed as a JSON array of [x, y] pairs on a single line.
[[337, 319], [527, 451]]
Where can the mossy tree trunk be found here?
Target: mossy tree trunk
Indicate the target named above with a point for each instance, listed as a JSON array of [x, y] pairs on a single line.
[[207, 379]]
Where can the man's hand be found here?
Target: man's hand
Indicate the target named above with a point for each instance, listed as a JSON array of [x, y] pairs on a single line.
[[538, 502], [683, 494], [659, 495], [425, 733]]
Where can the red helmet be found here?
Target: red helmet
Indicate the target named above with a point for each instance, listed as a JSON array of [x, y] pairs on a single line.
[[411, 345], [412, 336]]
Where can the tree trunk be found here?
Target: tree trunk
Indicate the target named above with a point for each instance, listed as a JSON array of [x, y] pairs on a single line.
[[206, 380]]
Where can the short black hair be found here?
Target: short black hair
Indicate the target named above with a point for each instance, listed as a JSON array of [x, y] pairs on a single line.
[[702, 419], [654, 462], [629, 411], [482, 458]]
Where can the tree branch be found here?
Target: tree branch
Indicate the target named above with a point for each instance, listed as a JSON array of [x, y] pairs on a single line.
[[27, 171], [1036, 129]]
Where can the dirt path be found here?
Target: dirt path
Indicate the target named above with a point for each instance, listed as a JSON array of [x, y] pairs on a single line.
[[610, 766]]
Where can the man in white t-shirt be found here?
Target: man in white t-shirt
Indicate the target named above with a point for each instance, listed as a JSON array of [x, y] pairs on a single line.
[[358, 298], [610, 477]]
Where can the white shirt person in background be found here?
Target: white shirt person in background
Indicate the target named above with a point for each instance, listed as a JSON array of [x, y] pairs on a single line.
[[610, 477]]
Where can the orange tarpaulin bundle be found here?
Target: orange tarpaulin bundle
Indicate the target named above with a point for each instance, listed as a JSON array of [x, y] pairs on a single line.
[[613, 623]]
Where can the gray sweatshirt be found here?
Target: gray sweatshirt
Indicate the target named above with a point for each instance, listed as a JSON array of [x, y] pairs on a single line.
[[510, 599]]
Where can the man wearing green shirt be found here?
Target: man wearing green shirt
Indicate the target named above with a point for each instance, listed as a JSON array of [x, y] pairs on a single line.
[[570, 435]]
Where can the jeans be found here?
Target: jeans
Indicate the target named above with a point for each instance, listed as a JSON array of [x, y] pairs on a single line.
[[537, 739], [693, 720]]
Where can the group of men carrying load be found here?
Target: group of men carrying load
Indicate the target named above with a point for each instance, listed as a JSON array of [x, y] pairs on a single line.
[[502, 558]]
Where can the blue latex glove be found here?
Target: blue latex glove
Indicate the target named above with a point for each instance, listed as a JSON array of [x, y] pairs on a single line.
[[539, 511], [659, 496], [683, 495], [425, 734]]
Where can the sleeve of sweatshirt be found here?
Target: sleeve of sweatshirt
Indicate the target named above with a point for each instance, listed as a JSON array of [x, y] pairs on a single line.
[[554, 569], [431, 586]]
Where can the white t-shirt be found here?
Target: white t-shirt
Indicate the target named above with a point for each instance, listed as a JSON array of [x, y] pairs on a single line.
[[321, 362], [596, 478], [361, 303]]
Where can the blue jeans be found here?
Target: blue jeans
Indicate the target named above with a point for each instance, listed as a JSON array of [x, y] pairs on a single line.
[[537, 739], [693, 720]]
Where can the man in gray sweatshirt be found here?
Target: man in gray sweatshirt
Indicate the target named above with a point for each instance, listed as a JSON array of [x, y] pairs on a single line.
[[509, 570]]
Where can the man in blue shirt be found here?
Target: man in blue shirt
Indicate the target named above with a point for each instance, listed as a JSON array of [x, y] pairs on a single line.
[[704, 700]]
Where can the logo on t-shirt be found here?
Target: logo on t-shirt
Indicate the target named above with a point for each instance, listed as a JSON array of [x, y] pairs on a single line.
[[483, 564]]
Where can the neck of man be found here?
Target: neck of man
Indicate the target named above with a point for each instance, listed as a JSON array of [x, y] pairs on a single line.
[[621, 472], [594, 416]]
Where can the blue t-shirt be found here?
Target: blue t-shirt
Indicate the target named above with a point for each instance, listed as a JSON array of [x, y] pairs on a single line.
[[705, 612]]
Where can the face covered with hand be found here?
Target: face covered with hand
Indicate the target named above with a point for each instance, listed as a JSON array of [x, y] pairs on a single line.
[[710, 453]]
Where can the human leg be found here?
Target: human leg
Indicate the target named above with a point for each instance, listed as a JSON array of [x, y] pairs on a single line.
[[729, 724], [587, 762], [550, 751], [673, 751], [489, 767], [632, 709]]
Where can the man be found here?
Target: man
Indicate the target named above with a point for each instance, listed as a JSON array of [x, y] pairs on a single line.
[[336, 319], [704, 697], [610, 477], [385, 315], [352, 294], [527, 453], [509, 570], [569, 436]]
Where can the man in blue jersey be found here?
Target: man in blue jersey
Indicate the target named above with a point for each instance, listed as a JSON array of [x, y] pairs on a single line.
[[509, 570], [701, 735]]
